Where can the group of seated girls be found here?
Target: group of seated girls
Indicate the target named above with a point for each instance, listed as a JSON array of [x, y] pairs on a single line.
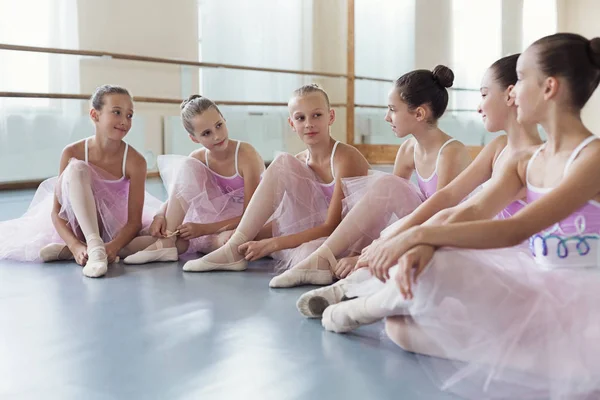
[[491, 264]]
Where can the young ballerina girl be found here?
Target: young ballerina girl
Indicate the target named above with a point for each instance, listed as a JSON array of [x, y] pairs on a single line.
[[524, 324], [415, 103], [499, 113], [208, 190], [302, 195], [97, 204]]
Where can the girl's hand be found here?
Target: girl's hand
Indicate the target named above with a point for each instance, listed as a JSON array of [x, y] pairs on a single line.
[[388, 254], [158, 228], [191, 230], [254, 250], [79, 251], [415, 259], [111, 252], [345, 267]]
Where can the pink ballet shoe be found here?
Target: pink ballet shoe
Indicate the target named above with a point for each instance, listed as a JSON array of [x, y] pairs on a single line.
[[97, 264], [347, 316], [308, 276], [312, 304], [52, 252], [204, 265], [161, 254]]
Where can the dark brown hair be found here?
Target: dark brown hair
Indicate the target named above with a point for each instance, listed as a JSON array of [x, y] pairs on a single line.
[[505, 70], [422, 86], [97, 98], [574, 58]]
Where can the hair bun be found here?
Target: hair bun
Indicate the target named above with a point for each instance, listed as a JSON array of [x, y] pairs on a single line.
[[189, 99], [443, 76], [595, 51]]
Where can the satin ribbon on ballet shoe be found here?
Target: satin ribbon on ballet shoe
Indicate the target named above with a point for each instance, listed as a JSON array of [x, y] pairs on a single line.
[[97, 263], [171, 234], [308, 276], [161, 254], [204, 265]]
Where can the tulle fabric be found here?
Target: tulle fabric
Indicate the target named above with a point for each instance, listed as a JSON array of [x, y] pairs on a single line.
[[500, 327], [379, 200], [300, 203], [191, 183], [22, 239]]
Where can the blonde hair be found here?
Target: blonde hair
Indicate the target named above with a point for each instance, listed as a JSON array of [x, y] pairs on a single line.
[[312, 88]]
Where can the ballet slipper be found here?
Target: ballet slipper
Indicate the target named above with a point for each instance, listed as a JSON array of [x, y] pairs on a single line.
[[230, 249], [97, 263], [347, 316], [308, 276], [312, 304], [52, 252], [161, 254]]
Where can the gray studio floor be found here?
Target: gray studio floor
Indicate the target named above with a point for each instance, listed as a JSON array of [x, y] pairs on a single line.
[[154, 332]]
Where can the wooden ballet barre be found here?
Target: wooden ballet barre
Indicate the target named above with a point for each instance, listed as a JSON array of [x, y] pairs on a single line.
[[160, 60], [141, 99], [386, 153], [384, 107], [367, 78]]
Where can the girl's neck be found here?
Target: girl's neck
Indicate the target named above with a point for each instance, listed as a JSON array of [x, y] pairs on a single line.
[[321, 152], [225, 154], [565, 130], [521, 136], [430, 138], [106, 146]]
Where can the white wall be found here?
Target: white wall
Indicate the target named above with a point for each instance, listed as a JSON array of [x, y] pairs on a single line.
[[583, 16]]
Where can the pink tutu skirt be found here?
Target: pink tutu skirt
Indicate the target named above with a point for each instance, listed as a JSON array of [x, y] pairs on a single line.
[[374, 202], [304, 204], [500, 327], [22, 239], [300, 203], [192, 184]]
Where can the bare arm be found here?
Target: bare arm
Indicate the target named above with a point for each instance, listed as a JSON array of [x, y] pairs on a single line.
[[476, 173], [578, 187], [404, 164]]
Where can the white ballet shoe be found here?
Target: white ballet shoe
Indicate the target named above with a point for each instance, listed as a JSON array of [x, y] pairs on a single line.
[[161, 254], [347, 316], [204, 265], [97, 264], [308, 276], [312, 304], [52, 252]]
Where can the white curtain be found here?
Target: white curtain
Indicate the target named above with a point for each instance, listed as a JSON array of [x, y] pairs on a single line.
[[476, 44], [384, 48], [260, 33], [43, 23], [384, 45], [33, 131]]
